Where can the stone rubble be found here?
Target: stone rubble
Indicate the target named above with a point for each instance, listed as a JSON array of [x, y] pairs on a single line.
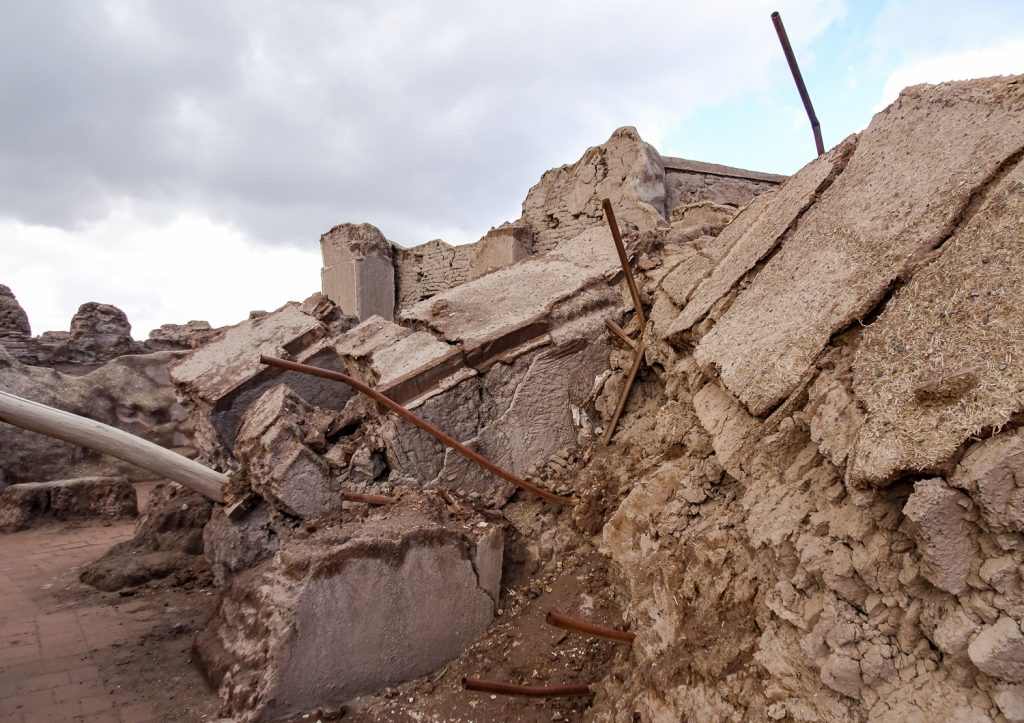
[[86, 498], [833, 531], [813, 506]]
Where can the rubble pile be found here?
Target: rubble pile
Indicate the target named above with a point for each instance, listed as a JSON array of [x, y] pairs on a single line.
[[167, 547], [832, 531], [811, 509]]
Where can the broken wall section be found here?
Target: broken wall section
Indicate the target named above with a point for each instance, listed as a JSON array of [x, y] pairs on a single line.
[[688, 182], [644, 189], [859, 531], [405, 590]]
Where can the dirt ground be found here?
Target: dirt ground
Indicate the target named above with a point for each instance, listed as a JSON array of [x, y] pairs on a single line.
[[69, 652]]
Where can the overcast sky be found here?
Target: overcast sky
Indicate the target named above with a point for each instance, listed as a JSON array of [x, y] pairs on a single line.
[[181, 159]]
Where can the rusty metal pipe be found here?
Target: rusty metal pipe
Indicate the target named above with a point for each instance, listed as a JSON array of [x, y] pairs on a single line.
[[787, 49], [368, 499], [620, 332], [422, 424], [533, 691], [609, 215], [558, 620], [633, 370]]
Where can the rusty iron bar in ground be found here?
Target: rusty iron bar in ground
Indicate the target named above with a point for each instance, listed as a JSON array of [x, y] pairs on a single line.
[[558, 620], [609, 215], [533, 691], [422, 424], [638, 358], [787, 49], [368, 499], [620, 332]]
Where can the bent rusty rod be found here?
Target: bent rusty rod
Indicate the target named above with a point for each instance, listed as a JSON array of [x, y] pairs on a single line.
[[558, 620], [533, 691], [368, 499], [422, 424], [787, 50], [609, 215], [620, 332], [633, 370]]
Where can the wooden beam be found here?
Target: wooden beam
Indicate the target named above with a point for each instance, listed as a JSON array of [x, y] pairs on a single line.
[[89, 433]]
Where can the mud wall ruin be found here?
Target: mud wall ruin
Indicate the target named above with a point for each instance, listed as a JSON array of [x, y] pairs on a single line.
[[842, 372], [814, 506], [365, 274], [96, 370]]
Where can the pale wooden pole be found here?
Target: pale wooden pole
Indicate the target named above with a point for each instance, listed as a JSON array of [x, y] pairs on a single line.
[[85, 432]]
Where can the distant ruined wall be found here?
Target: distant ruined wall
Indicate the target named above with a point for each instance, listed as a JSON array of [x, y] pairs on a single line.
[[97, 334], [688, 182], [424, 270], [365, 274]]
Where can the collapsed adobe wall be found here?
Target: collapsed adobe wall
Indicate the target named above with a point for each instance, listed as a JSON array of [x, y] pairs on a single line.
[[365, 274], [513, 363], [98, 333], [831, 529], [95, 370]]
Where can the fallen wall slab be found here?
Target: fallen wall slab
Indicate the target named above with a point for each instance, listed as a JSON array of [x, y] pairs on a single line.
[[912, 178], [352, 610]]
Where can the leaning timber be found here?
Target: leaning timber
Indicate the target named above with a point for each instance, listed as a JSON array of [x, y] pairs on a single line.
[[95, 435]]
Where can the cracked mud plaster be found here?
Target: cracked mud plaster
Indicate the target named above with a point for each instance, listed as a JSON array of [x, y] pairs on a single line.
[[861, 235], [779, 589]]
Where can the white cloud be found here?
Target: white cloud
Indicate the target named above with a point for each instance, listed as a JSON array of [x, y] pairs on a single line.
[[1006, 58], [197, 136], [186, 268]]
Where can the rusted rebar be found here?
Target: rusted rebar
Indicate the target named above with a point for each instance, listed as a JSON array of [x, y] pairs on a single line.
[[422, 424], [368, 499], [533, 691], [787, 49], [620, 332], [558, 620], [638, 359], [609, 216]]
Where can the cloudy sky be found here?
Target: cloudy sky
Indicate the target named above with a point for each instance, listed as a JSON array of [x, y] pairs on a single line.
[[181, 159]]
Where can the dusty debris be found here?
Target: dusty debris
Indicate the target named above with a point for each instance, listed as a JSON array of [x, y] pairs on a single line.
[[167, 547], [85, 498], [813, 508]]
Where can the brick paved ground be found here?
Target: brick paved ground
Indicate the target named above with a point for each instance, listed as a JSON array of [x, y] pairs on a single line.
[[68, 652]]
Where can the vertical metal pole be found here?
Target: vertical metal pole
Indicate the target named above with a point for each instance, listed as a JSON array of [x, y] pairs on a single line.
[[609, 216], [638, 359], [780, 29]]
